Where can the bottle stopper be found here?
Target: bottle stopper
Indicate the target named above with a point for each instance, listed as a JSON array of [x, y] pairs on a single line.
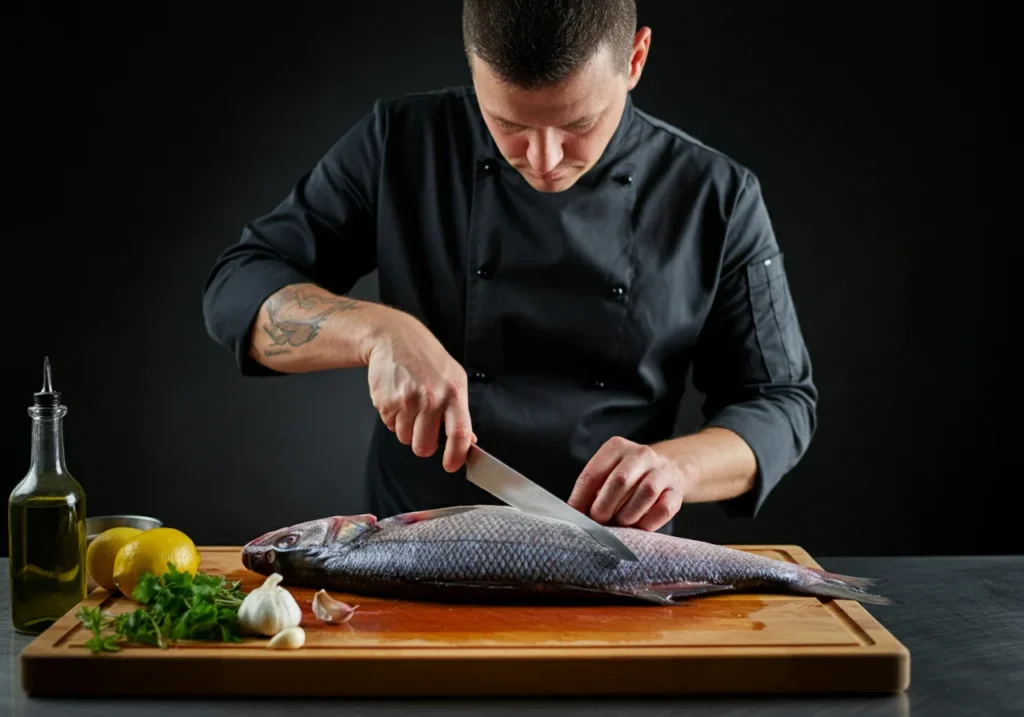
[[47, 397]]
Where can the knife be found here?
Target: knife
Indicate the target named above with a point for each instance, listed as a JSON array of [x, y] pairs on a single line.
[[498, 479]]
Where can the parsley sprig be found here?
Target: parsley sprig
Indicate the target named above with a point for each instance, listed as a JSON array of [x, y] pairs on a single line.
[[176, 606]]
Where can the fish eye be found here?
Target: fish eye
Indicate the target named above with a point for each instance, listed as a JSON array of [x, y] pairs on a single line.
[[287, 541]]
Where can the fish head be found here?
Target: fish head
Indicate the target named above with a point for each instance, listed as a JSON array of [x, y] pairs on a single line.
[[299, 547]]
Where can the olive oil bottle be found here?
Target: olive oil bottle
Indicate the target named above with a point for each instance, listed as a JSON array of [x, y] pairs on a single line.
[[46, 524]]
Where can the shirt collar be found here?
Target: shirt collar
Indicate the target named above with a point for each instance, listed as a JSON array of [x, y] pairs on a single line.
[[625, 124]]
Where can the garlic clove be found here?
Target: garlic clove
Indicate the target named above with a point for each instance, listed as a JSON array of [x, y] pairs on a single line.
[[290, 638], [329, 609]]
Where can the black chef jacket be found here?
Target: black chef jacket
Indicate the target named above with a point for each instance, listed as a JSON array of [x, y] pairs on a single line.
[[575, 314]]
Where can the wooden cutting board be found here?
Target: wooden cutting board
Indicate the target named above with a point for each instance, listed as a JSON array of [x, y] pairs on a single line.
[[390, 648]]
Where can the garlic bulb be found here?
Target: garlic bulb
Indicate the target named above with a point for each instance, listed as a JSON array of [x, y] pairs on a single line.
[[269, 609], [329, 609], [290, 638]]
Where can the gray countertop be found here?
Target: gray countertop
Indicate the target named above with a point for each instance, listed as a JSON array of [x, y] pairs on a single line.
[[963, 623]]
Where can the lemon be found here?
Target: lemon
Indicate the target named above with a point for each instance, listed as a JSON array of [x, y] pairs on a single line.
[[99, 559], [150, 551]]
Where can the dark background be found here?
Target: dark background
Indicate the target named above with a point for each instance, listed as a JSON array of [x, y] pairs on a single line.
[[136, 147]]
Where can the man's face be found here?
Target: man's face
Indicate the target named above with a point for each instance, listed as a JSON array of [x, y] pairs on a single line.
[[554, 135]]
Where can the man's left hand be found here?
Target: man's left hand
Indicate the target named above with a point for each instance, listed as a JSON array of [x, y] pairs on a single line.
[[630, 484]]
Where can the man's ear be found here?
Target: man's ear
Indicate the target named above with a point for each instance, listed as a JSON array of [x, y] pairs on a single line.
[[638, 56]]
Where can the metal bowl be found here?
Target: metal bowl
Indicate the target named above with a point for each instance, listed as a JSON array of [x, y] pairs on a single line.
[[95, 526]]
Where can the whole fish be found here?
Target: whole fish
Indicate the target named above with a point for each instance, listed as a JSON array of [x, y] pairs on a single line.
[[497, 552]]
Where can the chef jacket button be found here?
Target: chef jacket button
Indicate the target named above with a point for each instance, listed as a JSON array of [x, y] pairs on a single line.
[[625, 179], [488, 165], [478, 376], [485, 272], [619, 292], [598, 384]]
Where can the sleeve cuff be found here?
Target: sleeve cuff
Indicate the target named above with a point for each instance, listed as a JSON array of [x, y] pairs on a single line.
[[759, 426]]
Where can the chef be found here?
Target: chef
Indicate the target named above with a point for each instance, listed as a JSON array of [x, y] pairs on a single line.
[[552, 261]]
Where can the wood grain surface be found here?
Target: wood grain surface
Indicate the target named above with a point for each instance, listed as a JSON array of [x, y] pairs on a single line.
[[706, 645]]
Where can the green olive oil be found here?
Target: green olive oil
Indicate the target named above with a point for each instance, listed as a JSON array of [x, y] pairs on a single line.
[[46, 524]]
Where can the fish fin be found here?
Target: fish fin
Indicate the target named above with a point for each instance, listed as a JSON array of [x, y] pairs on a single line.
[[419, 516], [667, 593], [843, 587], [851, 579]]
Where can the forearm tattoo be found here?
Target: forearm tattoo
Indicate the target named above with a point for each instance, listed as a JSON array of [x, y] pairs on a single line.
[[296, 316]]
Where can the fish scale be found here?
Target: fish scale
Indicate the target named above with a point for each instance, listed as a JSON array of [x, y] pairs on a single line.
[[489, 552]]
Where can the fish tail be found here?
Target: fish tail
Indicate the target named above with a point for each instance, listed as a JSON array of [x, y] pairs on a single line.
[[850, 579], [842, 587]]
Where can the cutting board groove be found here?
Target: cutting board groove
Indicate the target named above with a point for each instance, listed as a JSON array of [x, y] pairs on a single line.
[[709, 645]]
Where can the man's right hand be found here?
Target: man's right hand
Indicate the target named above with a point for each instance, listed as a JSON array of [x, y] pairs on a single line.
[[416, 386]]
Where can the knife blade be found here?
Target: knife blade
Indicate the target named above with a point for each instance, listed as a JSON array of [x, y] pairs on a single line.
[[511, 486]]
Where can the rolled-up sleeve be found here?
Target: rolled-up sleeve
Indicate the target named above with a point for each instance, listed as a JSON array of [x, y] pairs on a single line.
[[751, 362], [323, 233]]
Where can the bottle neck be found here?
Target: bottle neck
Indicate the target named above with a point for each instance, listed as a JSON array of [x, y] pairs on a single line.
[[48, 442]]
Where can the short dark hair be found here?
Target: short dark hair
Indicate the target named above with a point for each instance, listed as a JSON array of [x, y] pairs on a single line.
[[536, 43]]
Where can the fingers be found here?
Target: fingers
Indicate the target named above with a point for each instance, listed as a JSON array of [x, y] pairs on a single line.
[[618, 487], [404, 422], [425, 431], [459, 429], [388, 416], [415, 385], [645, 495], [593, 476], [667, 505], [415, 416]]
